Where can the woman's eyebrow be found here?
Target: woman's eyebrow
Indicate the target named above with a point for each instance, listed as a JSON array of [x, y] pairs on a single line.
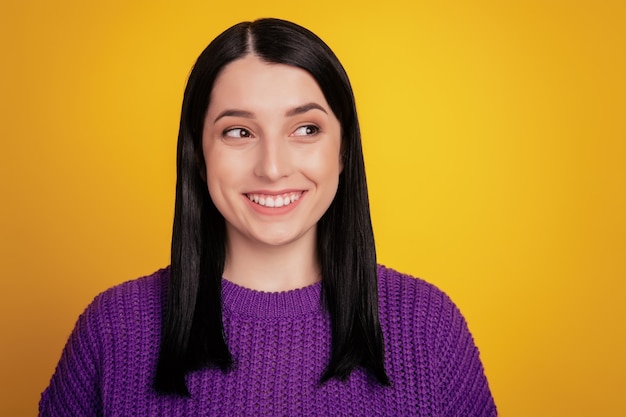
[[249, 115], [234, 113], [304, 108]]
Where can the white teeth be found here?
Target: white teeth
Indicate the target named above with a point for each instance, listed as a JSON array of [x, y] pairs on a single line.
[[274, 201]]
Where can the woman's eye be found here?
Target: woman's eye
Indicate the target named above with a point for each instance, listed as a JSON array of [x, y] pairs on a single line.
[[237, 132], [308, 130]]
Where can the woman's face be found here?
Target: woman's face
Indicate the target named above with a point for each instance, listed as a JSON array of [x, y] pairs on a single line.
[[272, 150]]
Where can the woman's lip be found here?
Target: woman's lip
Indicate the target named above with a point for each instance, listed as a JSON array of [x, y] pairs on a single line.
[[276, 192], [274, 203]]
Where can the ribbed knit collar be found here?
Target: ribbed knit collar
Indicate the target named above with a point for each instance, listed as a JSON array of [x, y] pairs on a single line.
[[246, 302]]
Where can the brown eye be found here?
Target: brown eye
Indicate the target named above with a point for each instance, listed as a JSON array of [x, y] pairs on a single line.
[[236, 132], [307, 130]]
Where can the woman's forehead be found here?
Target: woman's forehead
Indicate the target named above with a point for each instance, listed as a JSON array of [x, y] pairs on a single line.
[[249, 83]]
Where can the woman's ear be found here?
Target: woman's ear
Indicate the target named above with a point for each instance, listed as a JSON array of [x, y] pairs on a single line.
[[342, 154], [201, 165]]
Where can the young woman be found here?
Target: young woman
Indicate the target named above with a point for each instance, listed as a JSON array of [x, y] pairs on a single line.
[[273, 303]]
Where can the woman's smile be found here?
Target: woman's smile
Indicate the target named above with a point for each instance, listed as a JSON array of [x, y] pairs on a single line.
[[276, 200]]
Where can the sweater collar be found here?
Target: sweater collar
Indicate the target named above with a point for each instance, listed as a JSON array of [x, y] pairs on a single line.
[[252, 303]]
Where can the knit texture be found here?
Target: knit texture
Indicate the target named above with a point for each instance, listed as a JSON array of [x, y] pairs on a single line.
[[280, 343]]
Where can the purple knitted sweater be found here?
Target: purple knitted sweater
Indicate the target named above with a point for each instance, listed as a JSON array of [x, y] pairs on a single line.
[[281, 344]]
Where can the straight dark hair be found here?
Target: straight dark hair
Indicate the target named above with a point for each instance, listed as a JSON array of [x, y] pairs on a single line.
[[192, 331]]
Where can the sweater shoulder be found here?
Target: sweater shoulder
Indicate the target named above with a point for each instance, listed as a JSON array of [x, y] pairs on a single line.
[[411, 306], [420, 321], [120, 325], [396, 286], [147, 285], [134, 301]]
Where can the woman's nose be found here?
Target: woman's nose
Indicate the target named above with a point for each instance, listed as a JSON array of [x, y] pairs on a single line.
[[273, 159]]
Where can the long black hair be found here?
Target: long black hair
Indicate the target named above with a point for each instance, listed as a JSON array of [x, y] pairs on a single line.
[[193, 333]]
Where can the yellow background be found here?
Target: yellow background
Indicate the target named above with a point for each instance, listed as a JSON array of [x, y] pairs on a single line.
[[494, 134]]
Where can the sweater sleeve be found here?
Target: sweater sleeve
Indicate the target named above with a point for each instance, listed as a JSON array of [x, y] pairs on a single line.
[[463, 387], [74, 389]]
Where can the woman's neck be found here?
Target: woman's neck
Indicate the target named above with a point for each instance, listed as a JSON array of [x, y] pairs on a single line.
[[271, 268]]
